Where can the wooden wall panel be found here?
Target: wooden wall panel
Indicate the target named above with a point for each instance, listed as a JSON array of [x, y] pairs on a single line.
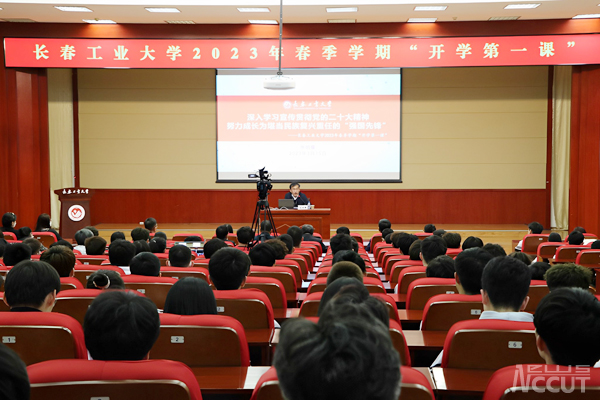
[[347, 206]]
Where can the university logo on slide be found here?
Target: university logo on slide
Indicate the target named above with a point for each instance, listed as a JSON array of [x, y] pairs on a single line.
[[76, 213]]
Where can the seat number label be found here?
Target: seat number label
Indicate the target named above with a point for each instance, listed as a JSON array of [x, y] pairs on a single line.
[[515, 345], [9, 339], [177, 339]]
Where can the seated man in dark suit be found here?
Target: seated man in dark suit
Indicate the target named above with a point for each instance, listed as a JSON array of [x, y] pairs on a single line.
[[295, 193], [307, 236], [265, 231]]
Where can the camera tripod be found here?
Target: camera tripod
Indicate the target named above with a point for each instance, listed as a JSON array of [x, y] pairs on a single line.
[[261, 205]]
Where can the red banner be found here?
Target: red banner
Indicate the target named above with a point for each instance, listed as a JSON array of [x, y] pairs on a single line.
[[303, 53]]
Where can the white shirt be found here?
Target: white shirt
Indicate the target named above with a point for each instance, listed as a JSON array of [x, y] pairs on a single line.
[[80, 248]]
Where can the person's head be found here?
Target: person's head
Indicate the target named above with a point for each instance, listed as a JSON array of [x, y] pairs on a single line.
[[278, 247], [472, 241], [212, 246], [469, 265], [25, 232], [145, 263], [384, 224], [140, 233], [9, 220], [265, 226], [335, 286], [494, 249], [358, 295], [538, 270], [32, 284], [452, 239], [414, 251], [228, 268], [193, 238], [81, 235], [535, 228], [596, 245], [93, 230], [262, 254], [95, 246], [180, 256], [567, 327], [62, 242], [439, 232], [307, 229], [579, 229], [504, 285], [568, 275], [14, 381], [576, 238], [150, 224], [295, 189], [120, 252], [429, 228], [161, 235], [440, 267], [221, 232], [14, 253], [342, 229], [554, 237], [521, 257], [116, 236], [352, 256], [344, 268], [229, 228], [386, 232], [347, 355], [388, 237], [141, 246], [120, 325], [105, 279], [341, 241], [43, 222], [34, 244], [245, 235], [157, 245], [61, 258], [403, 241], [289, 242], [431, 247], [296, 234], [190, 296]]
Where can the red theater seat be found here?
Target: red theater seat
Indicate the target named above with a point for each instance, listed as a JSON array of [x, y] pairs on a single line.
[[46, 238], [188, 272], [70, 283], [444, 310], [179, 237], [154, 287], [249, 306], [421, 290]]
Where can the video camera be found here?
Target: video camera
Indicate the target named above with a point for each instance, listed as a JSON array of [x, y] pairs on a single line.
[[264, 183]]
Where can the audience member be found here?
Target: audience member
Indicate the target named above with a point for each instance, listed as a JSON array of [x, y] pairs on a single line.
[[15, 253], [472, 241], [352, 256], [403, 241], [344, 268], [439, 232], [62, 242], [429, 228], [521, 257], [222, 232], [193, 238], [440, 267], [181, 256], [265, 231], [296, 234], [538, 270], [431, 247], [212, 246], [569, 275], [469, 265], [341, 241], [278, 247], [61, 258], [31, 286], [576, 238], [34, 244], [383, 225], [554, 237], [80, 237], [116, 236], [342, 229], [105, 279], [120, 326], [262, 254], [157, 245], [95, 246], [289, 242], [414, 252], [14, 381], [25, 233], [93, 230], [44, 224], [307, 235], [579, 229], [161, 235], [9, 222], [387, 235], [150, 224], [228, 268], [534, 228], [357, 295], [191, 296], [120, 253], [146, 264], [244, 235], [452, 240], [141, 246], [140, 233], [334, 287], [494, 249], [596, 245]]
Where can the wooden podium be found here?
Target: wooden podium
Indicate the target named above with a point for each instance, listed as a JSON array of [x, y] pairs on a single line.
[[319, 218], [74, 210]]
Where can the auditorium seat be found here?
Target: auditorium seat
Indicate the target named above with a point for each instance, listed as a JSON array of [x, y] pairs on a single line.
[[308, 256], [9, 236], [284, 274], [75, 302], [399, 342], [422, 235], [114, 380], [301, 261], [46, 238], [537, 290], [358, 237], [390, 258], [69, 283], [389, 251], [202, 341], [408, 275], [155, 288], [274, 290], [91, 260], [310, 305], [295, 267], [380, 246], [588, 258], [251, 307], [490, 344], [41, 336], [373, 285], [397, 268], [444, 310], [179, 237], [188, 272], [83, 272], [421, 290], [547, 250], [532, 241], [376, 238], [542, 382], [453, 252], [568, 254]]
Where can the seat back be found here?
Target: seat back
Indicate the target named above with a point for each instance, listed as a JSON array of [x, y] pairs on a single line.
[[379, 246], [397, 268], [179, 237], [114, 380], [421, 290], [490, 344], [153, 287], [249, 306], [317, 285], [295, 267], [588, 258], [532, 241], [444, 310], [46, 238], [272, 287], [547, 250], [75, 303], [374, 285], [180, 273], [283, 274], [408, 275], [310, 305], [389, 259], [537, 291], [9, 236], [376, 238], [301, 262], [69, 283], [399, 342], [91, 260], [202, 341], [41, 336], [568, 254]]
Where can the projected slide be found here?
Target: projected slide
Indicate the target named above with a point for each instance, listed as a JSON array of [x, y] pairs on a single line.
[[335, 125]]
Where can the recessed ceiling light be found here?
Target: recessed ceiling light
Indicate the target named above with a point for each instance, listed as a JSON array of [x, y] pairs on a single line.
[[422, 20], [341, 21], [162, 9], [341, 9], [263, 21], [180, 22], [99, 21], [521, 6], [503, 18], [430, 8], [255, 9], [581, 16], [73, 9]]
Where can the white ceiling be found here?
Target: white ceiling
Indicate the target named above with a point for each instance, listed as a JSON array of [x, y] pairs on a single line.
[[295, 11]]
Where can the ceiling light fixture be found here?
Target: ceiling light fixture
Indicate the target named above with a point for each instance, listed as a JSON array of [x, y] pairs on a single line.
[[162, 9], [521, 6], [583, 16], [99, 21], [255, 9], [431, 8], [176, 22], [341, 9], [422, 20], [341, 21], [503, 18], [73, 9]]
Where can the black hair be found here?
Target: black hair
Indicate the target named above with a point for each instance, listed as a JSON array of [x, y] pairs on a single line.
[[245, 235], [538, 270], [95, 246], [384, 224], [105, 279], [150, 223], [157, 245], [14, 381], [24, 232], [403, 242], [145, 263], [352, 256], [452, 239], [29, 282], [521, 257], [576, 238], [494, 249], [579, 229], [386, 232], [440, 267], [342, 229], [568, 321], [34, 244], [469, 265], [120, 252], [161, 235], [414, 251], [278, 247], [296, 234], [193, 238], [506, 281], [93, 230], [8, 219], [596, 244], [294, 184], [228, 268], [221, 232], [190, 296], [334, 287], [358, 295], [140, 233], [15, 253], [307, 228], [62, 242], [180, 256], [116, 236], [265, 226], [344, 268], [43, 223], [472, 241], [141, 246], [212, 246], [439, 232], [429, 228], [120, 325], [262, 254], [354, 243], [289, 242], [81, 235], [536, 228], [388, 238], [341, 241], [61, 258], [554, 237], [568, 275], [431, 247]]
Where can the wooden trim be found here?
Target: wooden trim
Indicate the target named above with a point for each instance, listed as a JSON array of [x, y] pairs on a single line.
[[549, 133], [76, 166]]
